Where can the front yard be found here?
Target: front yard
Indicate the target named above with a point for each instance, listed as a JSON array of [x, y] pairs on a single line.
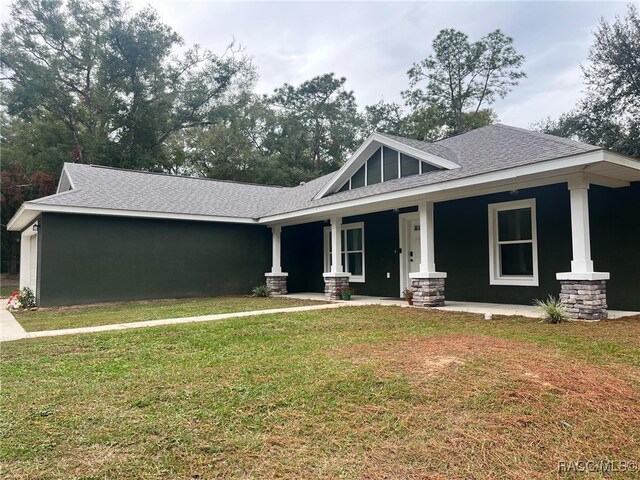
[[358, 392], [126, 312]]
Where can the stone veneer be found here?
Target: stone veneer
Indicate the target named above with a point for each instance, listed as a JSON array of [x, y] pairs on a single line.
[[276, 284], [584, 299], [333, 285], [428, 292]]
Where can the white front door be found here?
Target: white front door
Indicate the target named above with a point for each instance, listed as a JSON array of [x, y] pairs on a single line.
[[410, 247]]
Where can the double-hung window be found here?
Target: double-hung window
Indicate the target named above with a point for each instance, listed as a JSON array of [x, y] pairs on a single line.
[[352, 250], [513, 246]]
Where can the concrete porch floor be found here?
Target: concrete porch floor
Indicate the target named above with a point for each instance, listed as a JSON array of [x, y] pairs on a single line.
[[451, 305]]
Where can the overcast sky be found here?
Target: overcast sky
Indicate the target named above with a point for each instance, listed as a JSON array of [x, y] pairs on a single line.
[[373, 44]]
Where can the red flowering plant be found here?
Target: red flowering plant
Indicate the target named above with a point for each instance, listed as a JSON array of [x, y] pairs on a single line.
[[14, 300], [24, 298]]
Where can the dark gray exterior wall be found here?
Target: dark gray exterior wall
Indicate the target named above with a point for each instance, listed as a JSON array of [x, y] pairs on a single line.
[[462, 244], [462, 247], [85, 259], [614, 216], [303, 250], [91, 258]]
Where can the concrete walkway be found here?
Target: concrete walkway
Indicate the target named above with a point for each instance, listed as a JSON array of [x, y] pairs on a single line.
[[10, 329], [13, 334]]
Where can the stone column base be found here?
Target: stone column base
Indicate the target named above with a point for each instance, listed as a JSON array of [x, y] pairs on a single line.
[[333, 283], [276, 283], [428, 292], [584, 299]]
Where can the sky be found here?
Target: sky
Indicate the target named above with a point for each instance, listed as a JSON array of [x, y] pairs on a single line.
[[373, 44]]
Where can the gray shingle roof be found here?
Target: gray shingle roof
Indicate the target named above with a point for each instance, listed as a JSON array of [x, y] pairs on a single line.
[[488, 149], [102, 187]]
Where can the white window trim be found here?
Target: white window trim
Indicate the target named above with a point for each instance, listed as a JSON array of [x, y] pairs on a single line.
[[327, 261], [494, 251]]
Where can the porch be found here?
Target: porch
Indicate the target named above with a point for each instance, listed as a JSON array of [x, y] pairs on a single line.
[[528, 311], [495, 252]]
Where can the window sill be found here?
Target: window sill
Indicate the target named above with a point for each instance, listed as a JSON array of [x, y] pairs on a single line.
[[515, 282]]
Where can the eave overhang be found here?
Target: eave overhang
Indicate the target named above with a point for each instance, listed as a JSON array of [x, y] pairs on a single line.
[[599, 167]]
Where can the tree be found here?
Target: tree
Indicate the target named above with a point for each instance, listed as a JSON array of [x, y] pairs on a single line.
[[232, 148], [382, 117], [609, 114], [16, 186], [109, 78], [316, 121], [461, 77], [613, 76]]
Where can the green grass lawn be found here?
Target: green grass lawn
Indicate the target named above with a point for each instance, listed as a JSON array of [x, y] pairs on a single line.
[[126, 312], [356, 392]]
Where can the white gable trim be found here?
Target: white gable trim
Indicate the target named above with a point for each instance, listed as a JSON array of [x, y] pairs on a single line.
[[370, 145], [65, 175]]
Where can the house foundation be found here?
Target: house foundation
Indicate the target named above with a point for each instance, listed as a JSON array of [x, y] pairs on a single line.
[[584, 299]]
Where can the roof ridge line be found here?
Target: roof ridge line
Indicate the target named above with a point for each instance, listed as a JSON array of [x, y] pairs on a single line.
[[548, 136], [162, 174]]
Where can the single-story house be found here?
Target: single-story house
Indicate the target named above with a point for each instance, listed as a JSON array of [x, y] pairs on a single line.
[[498, 214]]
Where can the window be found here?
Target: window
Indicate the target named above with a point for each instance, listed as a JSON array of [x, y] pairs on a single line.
[[408, 166], [513, 248], [352, 250]]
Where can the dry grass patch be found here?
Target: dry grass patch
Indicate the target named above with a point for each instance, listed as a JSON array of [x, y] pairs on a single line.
[[508, 408]]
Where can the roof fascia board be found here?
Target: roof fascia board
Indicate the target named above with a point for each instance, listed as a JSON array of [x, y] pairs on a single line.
[[24, 213], [347, 169], [456, 188], [21, 219], [620, 159]]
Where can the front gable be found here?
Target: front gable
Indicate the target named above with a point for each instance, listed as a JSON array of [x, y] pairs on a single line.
[[382, 158]]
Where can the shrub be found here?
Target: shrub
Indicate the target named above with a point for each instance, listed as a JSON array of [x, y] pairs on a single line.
[[27, 298], [260, 291], [553, 309], [24, 298]]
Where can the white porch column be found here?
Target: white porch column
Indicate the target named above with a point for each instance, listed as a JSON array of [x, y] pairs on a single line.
[[427, 244], [276, 234], [336, 245], [427, 284], [582, 290], [276, 279], [336, 279], [581, 265]]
